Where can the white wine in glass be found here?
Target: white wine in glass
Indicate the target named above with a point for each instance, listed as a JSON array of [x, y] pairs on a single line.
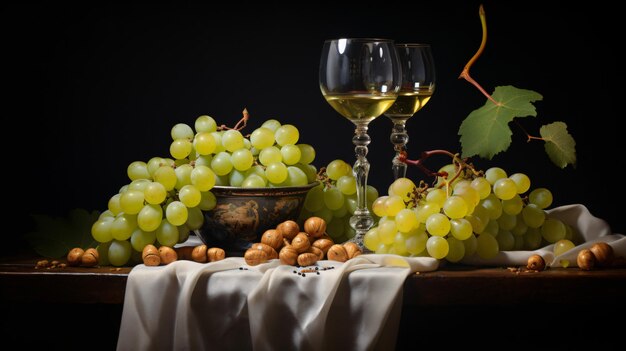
[[360, 79], [418, 85]]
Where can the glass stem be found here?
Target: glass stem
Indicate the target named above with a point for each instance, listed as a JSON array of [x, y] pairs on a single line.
[[399, 138], [362, 220]]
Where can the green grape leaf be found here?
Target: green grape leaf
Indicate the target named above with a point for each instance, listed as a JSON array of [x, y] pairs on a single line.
[[560, 145], [55, 237], [485, 132]]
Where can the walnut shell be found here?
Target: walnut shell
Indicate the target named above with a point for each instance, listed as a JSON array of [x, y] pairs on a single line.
[[307, 259], [337, 253], [288, 229], [536, 263], [89, 258], [352, 249], [216, 254], [323, 244], [255, 256], [273, 238], [150, 256], [603, 253], [315, 226], [184, 252], [586, 260], [288, 255], [301, 242], [168, 255], [271, 253], [74, 256], [199, 254]]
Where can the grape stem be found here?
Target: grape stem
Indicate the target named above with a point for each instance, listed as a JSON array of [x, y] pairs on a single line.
[[461, 164], [241, 124], [465, 74], [528, 136]]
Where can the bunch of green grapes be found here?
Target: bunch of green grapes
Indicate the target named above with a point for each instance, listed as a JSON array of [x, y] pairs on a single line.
[[479, 215], [166, 196], [335, 200]]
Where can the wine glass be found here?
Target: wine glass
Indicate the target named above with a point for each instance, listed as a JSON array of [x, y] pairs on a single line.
[[360, 79], [418, 85]]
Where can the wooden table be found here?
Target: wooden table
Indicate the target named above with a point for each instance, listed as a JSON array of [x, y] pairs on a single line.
[[71, 304]]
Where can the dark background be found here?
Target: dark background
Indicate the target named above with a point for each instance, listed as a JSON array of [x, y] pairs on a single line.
[[91, 89]]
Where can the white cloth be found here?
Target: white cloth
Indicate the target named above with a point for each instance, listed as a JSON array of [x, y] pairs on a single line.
[[589, 230], [355, 306]]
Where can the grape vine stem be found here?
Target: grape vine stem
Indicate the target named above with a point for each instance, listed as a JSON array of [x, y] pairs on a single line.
[[465, 74], [241, 124], [528, 136]]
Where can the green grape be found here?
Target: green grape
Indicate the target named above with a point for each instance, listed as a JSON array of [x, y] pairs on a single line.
[[426, 210], [182, 131], [291, 154], [399, 245], [176, 213], [507, 221], [204, 160], [236, 178], [190, 196], [493, 206], [520, 227], [324, 214], [138, 184], [270, 155], [276, 172], [393, 205], [333, 198], [204, 143], [513, 206], [341, 211], [195, 219], [493, 174], [119, 252], [533, 216], [253, 181], [532, 239], [166, 176], [437, 247], [471, 244], [378, 207], [203, 178], [208, 201], [486, 246], [180, 148], [469, 194], [204, 124], [101, 230], [309, 170], [307, 153], [232, 140], [183, 233], [337, 169], [382, 249], [482, 186], [336, 227], [403, 187], [416, 241], [221, 164], [123, 226], [478, 225], [519, 242], [314, 200], [561, 247], [295, 177], [138, 170], [522, 182], [346, 184], [131, 201], [261, 138], [541, 197], [222, 180], [183, 176], [154, 164], [106, 215], [406, 220], [103, 253], [451, 170], [492, 228], [461, 228], [505, 239], [140, 239], [123, 189], [271, 124], [286, 134], [219, 147], [437, 196], [387, 230], [504, 188], [371, 194], [167, 233], [569, 232], [438, 224], [455, 207], [242, 159], [114, 204], [456, 250], [149, 218], [553, 230]]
